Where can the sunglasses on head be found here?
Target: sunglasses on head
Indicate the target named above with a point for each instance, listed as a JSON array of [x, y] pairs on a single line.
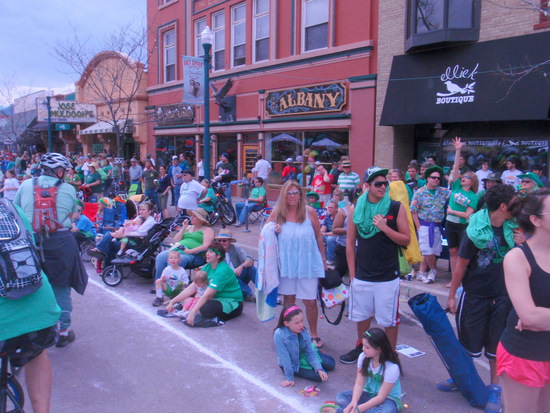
[[380, 184]]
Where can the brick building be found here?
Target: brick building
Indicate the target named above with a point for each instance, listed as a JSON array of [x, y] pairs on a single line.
[[300, 73], [446, 70]]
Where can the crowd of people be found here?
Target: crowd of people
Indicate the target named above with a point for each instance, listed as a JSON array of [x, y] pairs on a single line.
[[355, 227]]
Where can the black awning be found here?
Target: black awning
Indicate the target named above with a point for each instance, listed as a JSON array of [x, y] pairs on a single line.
[[468, 84]]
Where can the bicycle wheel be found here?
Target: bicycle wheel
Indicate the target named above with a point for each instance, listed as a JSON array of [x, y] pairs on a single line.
[[227, 213], [13, 396], [112, 276], [213, 217]]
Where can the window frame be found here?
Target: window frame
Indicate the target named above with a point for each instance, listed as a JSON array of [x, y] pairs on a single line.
[[255, 39], [446, 35], [304, 27], [215, 45], [199, 50], [234, 25], [544, 21], [165, 49]]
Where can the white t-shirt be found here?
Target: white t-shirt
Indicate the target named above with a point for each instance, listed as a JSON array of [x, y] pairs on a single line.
[[145, 227], [189, 194], [511, 177], [262, 169], [10, 183], [174, 277], [391, 370], [481, 175]]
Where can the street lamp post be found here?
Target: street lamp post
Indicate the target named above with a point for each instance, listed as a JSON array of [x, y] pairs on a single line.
[[49, 107], [207, 36]]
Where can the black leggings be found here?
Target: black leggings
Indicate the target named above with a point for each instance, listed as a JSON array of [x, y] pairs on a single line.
[[213, 308]]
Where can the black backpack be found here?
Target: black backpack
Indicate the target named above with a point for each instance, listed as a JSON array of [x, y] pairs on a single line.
[[20, 269], [291, 175]]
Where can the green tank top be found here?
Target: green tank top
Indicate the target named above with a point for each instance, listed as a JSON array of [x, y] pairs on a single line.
[[192, 239]]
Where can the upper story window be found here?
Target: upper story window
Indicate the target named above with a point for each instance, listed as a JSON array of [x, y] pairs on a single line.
[[545, 16], [261, 30], [199, 27], [163, 2], [169, 55], [238, 35], [315, 24], [440, 22], [218, 23]]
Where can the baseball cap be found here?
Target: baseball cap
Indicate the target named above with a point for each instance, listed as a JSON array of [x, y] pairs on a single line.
[[373, 172], [289, 160]]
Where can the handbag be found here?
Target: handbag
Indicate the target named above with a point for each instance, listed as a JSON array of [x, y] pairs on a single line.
[[332, 297], [332, 279], [404, 267]]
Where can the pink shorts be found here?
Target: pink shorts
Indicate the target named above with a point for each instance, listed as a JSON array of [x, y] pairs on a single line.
[[527, 372]]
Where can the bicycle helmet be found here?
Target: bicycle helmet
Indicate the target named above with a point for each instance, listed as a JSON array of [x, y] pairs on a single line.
[[54, 160]]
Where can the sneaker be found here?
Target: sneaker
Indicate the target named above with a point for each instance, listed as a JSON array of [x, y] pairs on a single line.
[[421, 276], [158, 301], [238, 224], [353, 355], [119, 253], [447, 385], [430, 278], [494, 404], [250, 297], [62, 341]]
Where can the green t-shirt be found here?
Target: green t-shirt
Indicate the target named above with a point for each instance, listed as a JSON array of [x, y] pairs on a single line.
[[304, 363], [460, 200], [66, 198], [90, 179], [258, 192], [209, 206], [33, 312], [149, 177], [224, 281]]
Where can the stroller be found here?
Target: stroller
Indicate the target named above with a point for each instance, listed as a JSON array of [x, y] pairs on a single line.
[[141, 259]]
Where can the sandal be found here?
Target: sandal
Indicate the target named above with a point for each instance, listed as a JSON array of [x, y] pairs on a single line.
[[317, 341], [94, 252], [329, 405]]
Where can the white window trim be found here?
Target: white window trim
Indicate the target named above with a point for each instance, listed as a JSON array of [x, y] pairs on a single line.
[[254, 38], [214, 29], [233, 24], [199, 50], [164, 52], [303, 40]]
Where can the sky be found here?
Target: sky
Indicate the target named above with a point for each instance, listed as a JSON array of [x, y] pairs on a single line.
[[30, 30]]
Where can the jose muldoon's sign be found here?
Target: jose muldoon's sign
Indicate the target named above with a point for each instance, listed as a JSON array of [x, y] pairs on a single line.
[[330, 97], [65, 111]]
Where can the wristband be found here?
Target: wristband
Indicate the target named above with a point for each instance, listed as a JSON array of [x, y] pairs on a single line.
[[358, 411]]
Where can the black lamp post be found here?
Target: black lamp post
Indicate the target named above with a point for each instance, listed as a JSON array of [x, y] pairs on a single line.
[[49, 107], [207, 36]]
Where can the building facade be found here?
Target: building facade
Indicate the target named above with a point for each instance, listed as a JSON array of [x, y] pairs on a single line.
[[478, 71], [290, 76]]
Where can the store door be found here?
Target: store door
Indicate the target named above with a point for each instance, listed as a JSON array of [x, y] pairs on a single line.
[[248, 159]]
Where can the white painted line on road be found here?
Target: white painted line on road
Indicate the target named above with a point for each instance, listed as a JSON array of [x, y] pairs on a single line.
[[245, 375]]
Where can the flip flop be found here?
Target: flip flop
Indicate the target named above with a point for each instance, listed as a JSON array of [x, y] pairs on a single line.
[[317, 341], [330, 404]]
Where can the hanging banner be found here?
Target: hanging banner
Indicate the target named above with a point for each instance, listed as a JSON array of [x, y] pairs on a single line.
[[193, 75]]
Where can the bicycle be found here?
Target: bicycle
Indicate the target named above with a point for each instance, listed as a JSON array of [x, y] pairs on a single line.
[[224, 208], [12, 397]]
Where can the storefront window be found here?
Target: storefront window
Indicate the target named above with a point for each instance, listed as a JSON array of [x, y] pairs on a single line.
[[164, 149], [186, 145], [227, 144]]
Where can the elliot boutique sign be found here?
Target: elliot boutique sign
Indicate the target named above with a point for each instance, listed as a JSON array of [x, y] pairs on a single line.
[[307, 99]]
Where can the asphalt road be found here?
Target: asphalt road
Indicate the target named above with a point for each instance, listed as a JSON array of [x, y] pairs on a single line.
[[128, 359]]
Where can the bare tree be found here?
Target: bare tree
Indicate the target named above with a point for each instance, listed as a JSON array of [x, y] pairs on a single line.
[[112, 75]]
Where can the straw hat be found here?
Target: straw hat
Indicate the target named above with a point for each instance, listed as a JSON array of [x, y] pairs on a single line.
[[200, 214], [225, 233]]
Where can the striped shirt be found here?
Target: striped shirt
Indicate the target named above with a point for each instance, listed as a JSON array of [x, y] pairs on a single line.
[[348, 181]]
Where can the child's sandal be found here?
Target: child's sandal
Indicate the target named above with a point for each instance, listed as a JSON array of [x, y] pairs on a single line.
[[317, 341], [327, 406]]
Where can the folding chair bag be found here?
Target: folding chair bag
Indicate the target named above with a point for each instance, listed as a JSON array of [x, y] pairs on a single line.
[[457, 361]]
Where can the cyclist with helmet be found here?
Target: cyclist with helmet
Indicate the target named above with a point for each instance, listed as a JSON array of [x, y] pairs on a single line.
[[58, 249]]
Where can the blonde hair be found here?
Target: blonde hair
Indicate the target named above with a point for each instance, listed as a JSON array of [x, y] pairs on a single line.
[[201, 277], [281, 209], [473, 180]]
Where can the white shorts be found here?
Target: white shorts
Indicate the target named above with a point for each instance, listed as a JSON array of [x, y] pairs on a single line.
[[302, 288], [378, 299], [424, 241]]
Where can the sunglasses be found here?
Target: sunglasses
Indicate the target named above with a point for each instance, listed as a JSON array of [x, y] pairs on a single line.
[[526, 181], [346, 167], [467, 177], [293, 192], [380, 184], [438, 178], [223, 241]]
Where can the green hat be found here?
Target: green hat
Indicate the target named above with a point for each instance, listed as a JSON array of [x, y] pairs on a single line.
[[532, 176], [311, 193], [373, 172], [434, 168]]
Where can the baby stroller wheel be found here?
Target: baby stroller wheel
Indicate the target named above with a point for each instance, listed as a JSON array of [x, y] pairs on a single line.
[[112, 276]]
